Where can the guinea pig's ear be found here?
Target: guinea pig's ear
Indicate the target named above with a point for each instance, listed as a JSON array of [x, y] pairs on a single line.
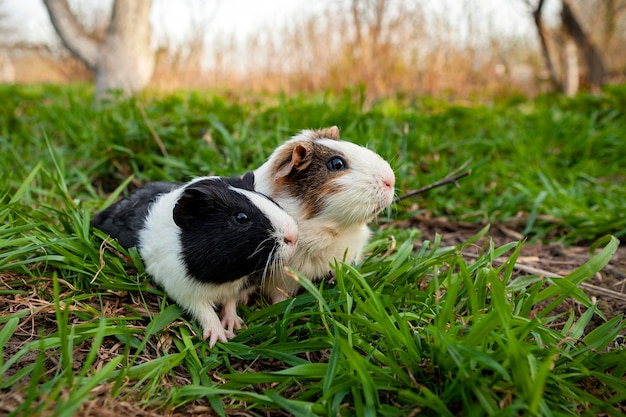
[[301, 157], [330, 132], [187, 207], [248, 181]]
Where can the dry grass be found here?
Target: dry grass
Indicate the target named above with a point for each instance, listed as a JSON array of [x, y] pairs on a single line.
[[385, 47]]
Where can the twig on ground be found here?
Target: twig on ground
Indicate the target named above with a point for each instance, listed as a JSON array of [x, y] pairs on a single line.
[[153, 132], [451, 178], [102, 262]]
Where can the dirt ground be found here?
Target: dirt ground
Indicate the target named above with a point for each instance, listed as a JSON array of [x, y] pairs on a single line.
[[608, 286]]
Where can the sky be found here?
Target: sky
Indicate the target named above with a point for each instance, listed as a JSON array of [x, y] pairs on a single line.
[[169, 17], [242, 18]]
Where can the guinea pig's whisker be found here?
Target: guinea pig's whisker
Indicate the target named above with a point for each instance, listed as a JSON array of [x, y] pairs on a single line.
[[260, 247], [269, 264], [278, 270]]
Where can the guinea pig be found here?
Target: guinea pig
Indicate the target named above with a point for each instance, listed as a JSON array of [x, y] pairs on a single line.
[[333, 189], [208, 242]]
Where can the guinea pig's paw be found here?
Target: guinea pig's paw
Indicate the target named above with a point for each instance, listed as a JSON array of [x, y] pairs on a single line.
[[232, 323], [230, 320], [213, 329], [217, 333]]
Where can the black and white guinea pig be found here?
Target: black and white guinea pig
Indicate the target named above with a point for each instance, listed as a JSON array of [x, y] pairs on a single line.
[[208, 242], [333, 189]]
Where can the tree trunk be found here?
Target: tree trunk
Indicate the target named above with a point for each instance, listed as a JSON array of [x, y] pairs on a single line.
[[571, 79], [124, 59], [593, 59], [545, 51]]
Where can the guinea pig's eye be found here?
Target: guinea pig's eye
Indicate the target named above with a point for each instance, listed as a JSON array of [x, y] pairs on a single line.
[[336, 163], [241, 217]]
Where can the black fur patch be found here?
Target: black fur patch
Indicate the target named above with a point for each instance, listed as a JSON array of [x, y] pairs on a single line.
[[215, 247], [246, 182], [124, 219]]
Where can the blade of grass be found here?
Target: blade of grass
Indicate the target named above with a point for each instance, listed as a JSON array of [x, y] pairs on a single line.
[[19, 194], [568, 284]]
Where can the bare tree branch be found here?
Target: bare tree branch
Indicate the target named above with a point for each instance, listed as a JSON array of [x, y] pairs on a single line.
[[73, 35], [543, 41]]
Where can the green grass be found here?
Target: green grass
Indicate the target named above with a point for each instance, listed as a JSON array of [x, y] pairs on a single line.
[[418, 330], [554, 166]]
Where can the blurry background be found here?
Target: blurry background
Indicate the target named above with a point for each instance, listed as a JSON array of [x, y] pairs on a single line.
[[451, 49]]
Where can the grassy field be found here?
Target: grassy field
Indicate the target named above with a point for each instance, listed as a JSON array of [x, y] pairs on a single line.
[[415, 328]]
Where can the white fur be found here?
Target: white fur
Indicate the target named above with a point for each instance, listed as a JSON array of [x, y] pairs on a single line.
[[367, 187], [160, 249]]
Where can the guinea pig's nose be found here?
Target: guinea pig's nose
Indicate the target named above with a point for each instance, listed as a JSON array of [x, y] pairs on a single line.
[[389, 181], [290, 239]]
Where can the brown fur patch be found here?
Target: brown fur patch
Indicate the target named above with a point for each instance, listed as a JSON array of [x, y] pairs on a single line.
[[282, 161], [310, 182]]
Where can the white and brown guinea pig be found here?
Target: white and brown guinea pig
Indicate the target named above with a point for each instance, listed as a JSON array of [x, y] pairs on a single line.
[[208, 242], [333, 189]]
